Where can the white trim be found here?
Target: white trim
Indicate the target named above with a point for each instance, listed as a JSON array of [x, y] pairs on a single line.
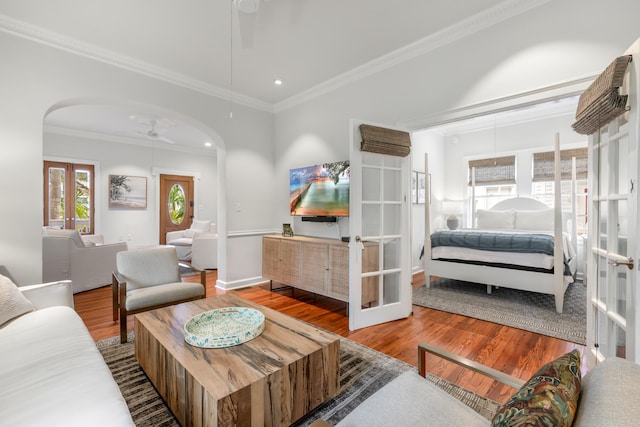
[[471, 25], [518, 100], [252, 233], [238, 284], [78, 47]]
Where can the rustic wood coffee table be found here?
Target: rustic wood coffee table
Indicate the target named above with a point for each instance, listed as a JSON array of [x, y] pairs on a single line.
[[272, 380]]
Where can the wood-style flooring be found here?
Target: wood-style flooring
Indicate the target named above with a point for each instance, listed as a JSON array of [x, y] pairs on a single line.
[[515, 351]]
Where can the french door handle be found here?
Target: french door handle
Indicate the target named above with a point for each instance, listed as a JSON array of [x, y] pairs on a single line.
[[630, 263]]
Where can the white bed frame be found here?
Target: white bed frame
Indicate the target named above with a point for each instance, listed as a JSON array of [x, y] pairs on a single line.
[[547, 283]]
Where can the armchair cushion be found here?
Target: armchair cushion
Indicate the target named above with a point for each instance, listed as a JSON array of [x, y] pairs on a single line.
[[12, 303], [162, 294]]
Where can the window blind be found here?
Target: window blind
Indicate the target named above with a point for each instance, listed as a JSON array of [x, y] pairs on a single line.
[[498, 170], [543, 164]]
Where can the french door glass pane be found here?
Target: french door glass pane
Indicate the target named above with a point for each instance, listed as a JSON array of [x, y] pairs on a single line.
[[56, 197], [392, 254], [371, 220], [392, 181], [391, 288], [371, 190], [83, 201]]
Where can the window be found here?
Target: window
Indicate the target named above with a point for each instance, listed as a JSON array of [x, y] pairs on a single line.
[[495, 180], [68, 196], [543, 188]]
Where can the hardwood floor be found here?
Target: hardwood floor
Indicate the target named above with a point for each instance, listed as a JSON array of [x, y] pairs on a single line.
[[515, 351]]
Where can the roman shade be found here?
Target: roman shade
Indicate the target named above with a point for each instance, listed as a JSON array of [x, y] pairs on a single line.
[[385, 141], [498, 170], [602, 102], [543, 164]]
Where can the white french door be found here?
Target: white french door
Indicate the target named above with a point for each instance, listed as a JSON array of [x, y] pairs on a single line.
[[380, 242], [612, 285]]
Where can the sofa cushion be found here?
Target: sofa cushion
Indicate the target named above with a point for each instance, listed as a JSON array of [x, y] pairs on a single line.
[[52, 374], [549, 398], [12, 302], [609, 395], [411, 400]]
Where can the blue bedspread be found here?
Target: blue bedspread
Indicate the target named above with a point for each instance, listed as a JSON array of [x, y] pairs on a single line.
[[491, 241], [498, 242]]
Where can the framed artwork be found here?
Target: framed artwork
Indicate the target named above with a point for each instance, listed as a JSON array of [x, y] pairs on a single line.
[[414, 187], [127, 192], [419, 190]]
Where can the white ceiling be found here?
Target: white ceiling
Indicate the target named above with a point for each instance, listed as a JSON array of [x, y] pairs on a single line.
[[307, 43]]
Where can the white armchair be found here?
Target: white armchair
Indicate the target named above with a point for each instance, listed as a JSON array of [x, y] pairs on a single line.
[[198, 244], [65, 256]]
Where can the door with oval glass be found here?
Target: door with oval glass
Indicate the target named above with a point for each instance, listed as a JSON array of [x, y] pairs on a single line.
[[176, 204]]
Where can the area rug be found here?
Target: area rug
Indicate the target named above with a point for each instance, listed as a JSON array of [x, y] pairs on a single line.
[[362, 372], [530, 311]]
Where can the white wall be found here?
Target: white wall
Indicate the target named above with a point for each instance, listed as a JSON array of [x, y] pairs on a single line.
[[136, 227], [33, 78], [538, 49], [553, 43]]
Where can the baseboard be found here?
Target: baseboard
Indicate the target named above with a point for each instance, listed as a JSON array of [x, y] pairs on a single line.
[[239, 284]]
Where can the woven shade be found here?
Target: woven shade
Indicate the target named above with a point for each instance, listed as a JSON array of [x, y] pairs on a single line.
[[498, 170], [543, 164], [385, 141], [602, 102]]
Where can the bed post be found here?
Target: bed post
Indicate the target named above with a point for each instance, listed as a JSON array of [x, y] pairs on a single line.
[[427, 225], [558, 252]]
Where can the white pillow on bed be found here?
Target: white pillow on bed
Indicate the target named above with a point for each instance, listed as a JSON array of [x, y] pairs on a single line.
[[539, 220], [495, 220]]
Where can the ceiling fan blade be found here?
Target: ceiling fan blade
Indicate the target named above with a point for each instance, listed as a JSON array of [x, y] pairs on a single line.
[[247, 24]]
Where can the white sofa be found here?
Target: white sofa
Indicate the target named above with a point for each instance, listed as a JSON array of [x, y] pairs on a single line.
[[51, 373], [66, 256], [198, 244]]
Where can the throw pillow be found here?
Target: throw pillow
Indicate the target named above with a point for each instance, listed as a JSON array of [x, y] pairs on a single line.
[[549, 398], [12, 302], [495, 220]]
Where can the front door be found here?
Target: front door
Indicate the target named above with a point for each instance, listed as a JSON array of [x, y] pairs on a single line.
[[612, 279], [380, 241], [176, 204]]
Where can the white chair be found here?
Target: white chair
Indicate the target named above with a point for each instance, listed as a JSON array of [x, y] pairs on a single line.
[[147, 279], [65, 256], [198, 244]]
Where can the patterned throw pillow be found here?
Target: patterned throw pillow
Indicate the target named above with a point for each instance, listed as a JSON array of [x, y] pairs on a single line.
[[549, 398]]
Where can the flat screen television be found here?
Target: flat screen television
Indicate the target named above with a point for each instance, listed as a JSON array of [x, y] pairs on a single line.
[[320, 190]]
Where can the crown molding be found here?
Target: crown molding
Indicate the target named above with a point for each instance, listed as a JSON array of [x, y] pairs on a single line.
[[460, 30], [52, 39], [480, 21]]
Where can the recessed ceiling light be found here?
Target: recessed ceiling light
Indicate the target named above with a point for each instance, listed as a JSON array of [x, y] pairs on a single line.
[[278, 82], [208, 144]]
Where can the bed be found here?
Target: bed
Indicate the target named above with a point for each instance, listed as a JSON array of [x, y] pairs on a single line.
[[532, 253]]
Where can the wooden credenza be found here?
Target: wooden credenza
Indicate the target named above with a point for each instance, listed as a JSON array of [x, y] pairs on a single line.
[[318, 265]]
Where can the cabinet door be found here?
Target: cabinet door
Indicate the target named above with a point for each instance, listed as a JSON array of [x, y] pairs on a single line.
[[339, 272], [290, 257], [315, 263], [271, 259]]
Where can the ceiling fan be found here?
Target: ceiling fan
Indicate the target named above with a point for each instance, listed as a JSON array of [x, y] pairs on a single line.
[[247, 12], [157, 127]]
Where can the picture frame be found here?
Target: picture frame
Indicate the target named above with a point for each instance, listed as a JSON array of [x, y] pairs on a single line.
[[414, 187], [127, 192], [420, 187]]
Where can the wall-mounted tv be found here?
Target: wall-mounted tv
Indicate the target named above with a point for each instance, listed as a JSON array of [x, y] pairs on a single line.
[[320, 190]]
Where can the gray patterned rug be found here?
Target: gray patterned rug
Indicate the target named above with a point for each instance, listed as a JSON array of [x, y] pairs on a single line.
[[362, 372], [519, 309]]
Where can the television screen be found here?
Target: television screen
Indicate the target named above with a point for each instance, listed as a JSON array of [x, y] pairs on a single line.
[[320, 190]]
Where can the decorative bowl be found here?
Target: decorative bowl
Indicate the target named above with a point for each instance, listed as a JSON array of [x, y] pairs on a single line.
[[223, 327]]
